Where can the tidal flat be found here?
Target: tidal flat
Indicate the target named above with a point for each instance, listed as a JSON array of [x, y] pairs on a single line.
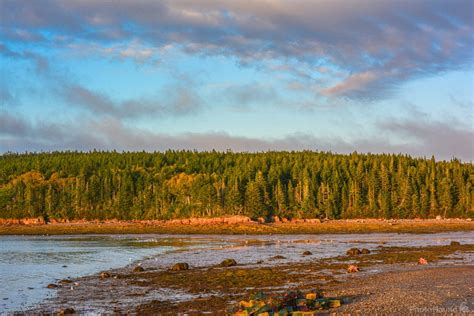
[[268, 263]]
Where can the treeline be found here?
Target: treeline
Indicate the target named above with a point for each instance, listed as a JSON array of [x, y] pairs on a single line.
[[174, 184]]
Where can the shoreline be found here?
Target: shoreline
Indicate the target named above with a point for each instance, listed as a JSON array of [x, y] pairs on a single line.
[[178, 227]]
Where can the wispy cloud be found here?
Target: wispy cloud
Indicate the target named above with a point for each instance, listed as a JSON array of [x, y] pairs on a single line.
[[179, 101]]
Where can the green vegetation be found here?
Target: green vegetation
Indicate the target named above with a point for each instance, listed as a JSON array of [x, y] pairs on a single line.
[[176, 184]]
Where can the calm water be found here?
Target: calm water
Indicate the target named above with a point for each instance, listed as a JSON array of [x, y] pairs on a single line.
[[29, 263]]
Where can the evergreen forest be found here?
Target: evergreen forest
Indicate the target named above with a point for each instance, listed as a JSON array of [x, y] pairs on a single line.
[[182, 184]]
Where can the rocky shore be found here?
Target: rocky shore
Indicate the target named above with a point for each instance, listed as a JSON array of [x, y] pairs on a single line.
[[232, 225]]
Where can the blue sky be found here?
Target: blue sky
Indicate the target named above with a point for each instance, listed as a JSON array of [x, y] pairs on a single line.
[[341, 76]]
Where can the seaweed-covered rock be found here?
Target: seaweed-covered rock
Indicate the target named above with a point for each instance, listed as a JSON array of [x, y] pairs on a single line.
[[290, 303], [365, 251], [353, 252], [352, 268], [138, 269], [307, 253], [455, 243], [228, 263], [52, 286], [66, 311], [105, 275], [181, 266]]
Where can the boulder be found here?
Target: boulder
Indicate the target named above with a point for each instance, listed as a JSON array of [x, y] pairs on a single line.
[[352, 268], [181, 266], [52, 286], [261, 220], [365, 251], [278, 257], [66, 311], [307, 253], [228, 263], [138, 269], [65, 281], [422, 261], [353, 252], [438, 217], [455, 243], [105, 275]]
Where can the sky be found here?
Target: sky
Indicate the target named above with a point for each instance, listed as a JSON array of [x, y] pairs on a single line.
[[378, 76]]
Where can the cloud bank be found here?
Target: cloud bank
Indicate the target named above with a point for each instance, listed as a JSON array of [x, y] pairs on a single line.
[[19, 134]]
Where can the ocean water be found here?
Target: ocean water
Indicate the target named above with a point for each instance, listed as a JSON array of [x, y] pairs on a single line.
[[29, 263]]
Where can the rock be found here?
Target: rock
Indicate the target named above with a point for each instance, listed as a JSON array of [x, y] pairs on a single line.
[[438, 217], [469, 219], [105, 275], [353, 252], [278, 257], [365, 251], [180, 266], [422, 261], [275, 219], [455, 243], [228, 263], [66, 311], [352, 268], [261, 220], [259, 262], [138, 269], [284, 220], [65, 281], [52, 286], [307, 253], [334, 303]]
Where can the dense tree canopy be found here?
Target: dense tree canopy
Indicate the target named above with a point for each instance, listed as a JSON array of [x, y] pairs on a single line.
[[173, 184]]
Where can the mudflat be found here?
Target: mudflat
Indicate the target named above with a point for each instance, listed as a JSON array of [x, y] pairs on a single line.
[[300, 227]]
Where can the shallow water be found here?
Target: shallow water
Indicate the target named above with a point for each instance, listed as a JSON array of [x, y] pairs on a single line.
[[29, 263]]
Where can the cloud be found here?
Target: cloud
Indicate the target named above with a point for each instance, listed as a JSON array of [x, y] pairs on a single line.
[[175, 100], [108, 133], [447, 139], [392, 41], [40, 61]]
